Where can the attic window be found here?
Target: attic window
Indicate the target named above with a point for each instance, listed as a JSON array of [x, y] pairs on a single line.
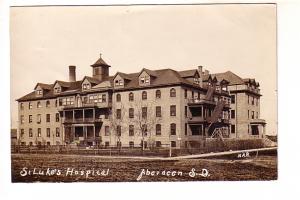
[[57, 90], [224, 87], [119, 82], [39, 92], [144, 79], [196, 80], [86, 86]]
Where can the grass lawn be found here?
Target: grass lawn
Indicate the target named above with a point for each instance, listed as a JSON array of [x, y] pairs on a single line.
[[72, 168]]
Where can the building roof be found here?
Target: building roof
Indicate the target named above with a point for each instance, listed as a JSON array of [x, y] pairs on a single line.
[[163, 77], [100, 62], [229, 76], [44, 86], [188, 73], [91, 79]]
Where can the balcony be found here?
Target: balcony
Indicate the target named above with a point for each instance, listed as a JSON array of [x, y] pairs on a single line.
[[81, 120], [192, 102], [196, 119], [87, 105], [258, 121]]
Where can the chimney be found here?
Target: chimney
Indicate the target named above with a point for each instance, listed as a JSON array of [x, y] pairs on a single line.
[[206, 72], [72, 73], [200, 68]]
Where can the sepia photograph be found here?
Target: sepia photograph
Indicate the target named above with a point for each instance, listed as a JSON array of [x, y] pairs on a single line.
[[143, 93]]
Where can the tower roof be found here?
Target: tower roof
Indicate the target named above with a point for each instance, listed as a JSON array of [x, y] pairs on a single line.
[[100, 62]]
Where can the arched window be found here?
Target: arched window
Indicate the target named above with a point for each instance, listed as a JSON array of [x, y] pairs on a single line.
[[118, 97], [55, 103], [39, 105], [158, 94], [131, 96], [47, 103], [144, 95], [172, 92]]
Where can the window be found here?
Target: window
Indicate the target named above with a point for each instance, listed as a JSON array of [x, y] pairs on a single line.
[[47, 117], [172, 92], [158, 129], [118, 97], [30, 118], [39, 132], [257, 101], [248, 114], [252, 116], [118, 113], [193, 94], [158, 94], [21, 106], [57, 117], [30, 132], [119, 82], [144, 112], [55, 103], [66, 101], [158, 143], [30, 105], [173, 144], [232, 114], [22, 119], [131, 144], [47, 103], [185, 129], [106, 131], [106, 144], [86, 86], [131, 96], [131, 113], [232, 99], [144, 79], [119, 132], [232, 128], [48, 132], [38, 118], [103, 98], [198, 97], [131, 130], [185, 93], [22, 133], [57, 90], [38, 105], [173, 110], [158, 111], [144, 95], [248, 128], [144, 129], [57, 132], [173, 129], [39, 92], [252, 102], [185, 111], [196, 80]]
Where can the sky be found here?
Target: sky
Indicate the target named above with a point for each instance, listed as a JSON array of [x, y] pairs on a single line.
[[239, 38]]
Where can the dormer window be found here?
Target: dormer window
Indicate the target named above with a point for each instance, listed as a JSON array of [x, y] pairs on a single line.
[[86, 86], [224, 87], [119, 82], [144, 80], [57, 90], [196, 80], [39, 92]]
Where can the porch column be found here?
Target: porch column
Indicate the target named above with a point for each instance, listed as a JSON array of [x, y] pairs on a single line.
[[73, 115], [94, 131], [94, 116], [85, 131]]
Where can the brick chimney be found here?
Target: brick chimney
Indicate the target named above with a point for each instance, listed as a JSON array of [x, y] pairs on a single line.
[[72, 73]]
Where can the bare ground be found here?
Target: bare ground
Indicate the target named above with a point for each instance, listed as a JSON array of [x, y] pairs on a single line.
[[128, 170]]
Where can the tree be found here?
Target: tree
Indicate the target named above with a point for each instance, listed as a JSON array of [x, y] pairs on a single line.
[[145, 121], [116, 123]]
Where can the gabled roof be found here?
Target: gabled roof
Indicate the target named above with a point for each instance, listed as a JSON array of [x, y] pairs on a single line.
[[100, 62], [188, 73], [232, 78], [62, 83], [91, 79], [149, 72], [123, 75], [44, 86]]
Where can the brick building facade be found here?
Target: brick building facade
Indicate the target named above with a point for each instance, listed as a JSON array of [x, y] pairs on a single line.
[[150, 108]]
